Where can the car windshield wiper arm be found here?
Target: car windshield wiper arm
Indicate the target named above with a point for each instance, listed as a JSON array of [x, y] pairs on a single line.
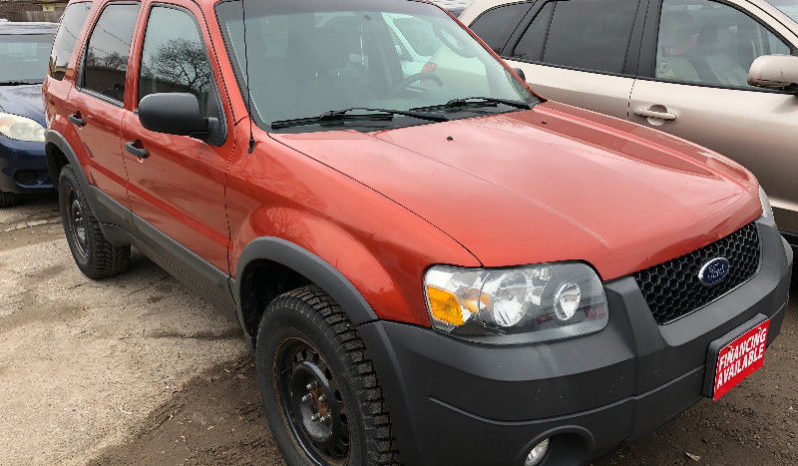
[[465, 101], [370, 114]]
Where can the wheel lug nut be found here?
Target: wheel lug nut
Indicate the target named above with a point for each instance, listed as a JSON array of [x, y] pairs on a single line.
[[322, 399], [307, 397], [316, 417], [324, 418]]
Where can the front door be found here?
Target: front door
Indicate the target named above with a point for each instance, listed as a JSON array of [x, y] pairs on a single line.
[[177, 182], [696, 88]]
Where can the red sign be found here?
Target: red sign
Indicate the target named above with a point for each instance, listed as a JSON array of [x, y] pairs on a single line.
[[741, 358]]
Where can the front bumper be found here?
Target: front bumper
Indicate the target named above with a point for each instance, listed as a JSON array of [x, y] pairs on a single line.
[[455, 402], [23, 167]]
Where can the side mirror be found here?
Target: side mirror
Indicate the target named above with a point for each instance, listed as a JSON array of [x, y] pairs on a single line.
[[173, 113], [520, 73], [775, 72]]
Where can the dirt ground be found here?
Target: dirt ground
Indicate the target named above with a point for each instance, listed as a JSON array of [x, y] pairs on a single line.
[[136, 370]]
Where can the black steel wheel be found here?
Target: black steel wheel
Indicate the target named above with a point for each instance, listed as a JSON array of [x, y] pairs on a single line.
[[311, 402], [320, 392], [75, 222]]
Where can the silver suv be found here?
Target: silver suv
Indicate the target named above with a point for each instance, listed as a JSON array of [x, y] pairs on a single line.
[[721, 74]]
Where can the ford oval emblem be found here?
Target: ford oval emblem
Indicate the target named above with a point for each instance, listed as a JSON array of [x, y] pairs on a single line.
[[714, 271]]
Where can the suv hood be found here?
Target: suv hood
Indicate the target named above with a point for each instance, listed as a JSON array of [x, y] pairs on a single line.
[[551, 184]]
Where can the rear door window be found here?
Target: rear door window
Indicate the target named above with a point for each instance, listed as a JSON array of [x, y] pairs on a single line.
[[108, 51], [592, 35], [497, 24], [72, 23]]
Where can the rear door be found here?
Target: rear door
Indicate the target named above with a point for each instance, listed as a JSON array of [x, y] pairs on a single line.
[[98, 98], [580, 52], [177, 182], [693, 84], [58, 84]]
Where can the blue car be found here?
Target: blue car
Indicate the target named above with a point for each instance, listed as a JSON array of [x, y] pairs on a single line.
[[24, 56]]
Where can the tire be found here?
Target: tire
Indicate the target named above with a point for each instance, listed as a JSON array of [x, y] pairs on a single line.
[[305, 338], [9, 200], [94, 255]]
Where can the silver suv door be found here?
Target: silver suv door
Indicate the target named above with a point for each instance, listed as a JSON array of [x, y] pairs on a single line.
[[693, 83], [580, 52]]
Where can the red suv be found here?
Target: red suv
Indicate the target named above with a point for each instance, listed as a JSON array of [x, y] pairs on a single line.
[[433, 264]]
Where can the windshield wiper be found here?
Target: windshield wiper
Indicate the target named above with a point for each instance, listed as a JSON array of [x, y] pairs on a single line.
[[372, 114], [476, 101]]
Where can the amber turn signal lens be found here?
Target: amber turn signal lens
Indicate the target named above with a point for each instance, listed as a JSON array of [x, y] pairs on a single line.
[[444, 306]]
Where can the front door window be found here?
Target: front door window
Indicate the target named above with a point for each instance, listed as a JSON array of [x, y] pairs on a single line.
[[707, 42]]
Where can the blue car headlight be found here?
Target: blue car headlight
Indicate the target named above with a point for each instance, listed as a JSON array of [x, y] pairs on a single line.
[[20, 128]]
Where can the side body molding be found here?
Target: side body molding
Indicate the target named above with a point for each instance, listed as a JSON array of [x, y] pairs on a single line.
[[313, 267]]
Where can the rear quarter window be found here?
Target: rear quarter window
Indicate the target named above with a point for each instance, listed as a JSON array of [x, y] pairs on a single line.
[[72, 24], [497, 24], [591, 35]]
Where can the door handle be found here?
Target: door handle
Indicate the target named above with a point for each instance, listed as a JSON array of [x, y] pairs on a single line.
[[139, 152], [76, 119], [667, 116]]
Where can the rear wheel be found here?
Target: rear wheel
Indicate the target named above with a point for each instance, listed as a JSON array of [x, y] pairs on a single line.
[[9, 199], [322, 398], [94, 255]]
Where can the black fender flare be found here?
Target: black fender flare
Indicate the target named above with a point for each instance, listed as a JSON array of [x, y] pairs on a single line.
[[309, 265], [56, 139], [114, 220]]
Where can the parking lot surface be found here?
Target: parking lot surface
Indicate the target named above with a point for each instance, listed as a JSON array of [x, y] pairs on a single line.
[[137, 370]]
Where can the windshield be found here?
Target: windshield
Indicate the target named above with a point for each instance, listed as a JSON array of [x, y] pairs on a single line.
[[315, 56], [24, 58], [788, 7]]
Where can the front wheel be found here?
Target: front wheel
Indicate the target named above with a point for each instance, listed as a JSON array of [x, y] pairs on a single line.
[[322, 398]]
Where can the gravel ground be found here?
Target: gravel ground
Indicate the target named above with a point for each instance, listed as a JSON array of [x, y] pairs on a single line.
[[136, 370]]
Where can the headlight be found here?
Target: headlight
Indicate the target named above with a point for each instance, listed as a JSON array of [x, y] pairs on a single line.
[[531, 304], [20, 128], [767, 209]]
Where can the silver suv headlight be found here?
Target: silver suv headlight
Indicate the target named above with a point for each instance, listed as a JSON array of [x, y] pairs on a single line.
[[532, 304], [767, 209], [20, 128]]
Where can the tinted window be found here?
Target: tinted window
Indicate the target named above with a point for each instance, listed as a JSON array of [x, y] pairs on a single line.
[[587, 34], [108, 51], [530, 47], [173, 57], [71, 25], [496, 25], [24, 58], [710, 43]]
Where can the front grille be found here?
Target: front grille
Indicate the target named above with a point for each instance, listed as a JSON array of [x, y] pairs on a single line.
[[673, 289], [31, 177]]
